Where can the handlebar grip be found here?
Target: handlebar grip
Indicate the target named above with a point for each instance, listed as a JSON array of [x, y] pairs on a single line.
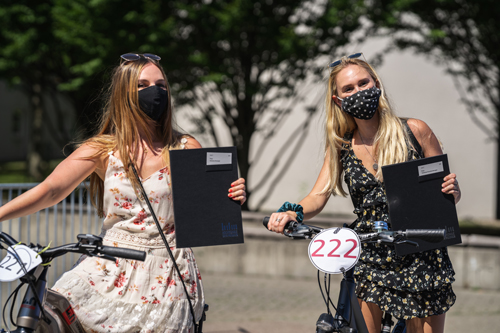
[[123, 253], [265, 221], [430, 235]]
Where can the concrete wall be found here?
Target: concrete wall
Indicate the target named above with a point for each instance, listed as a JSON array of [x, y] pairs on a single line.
[[418, 88]]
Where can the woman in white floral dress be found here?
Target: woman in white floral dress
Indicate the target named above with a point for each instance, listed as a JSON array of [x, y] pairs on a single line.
[[136, 127]]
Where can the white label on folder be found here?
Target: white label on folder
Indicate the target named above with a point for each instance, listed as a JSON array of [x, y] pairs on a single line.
[[429, 169], [219, 158]]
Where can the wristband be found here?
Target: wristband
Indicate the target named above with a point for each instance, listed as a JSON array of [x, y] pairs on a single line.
[[295, 208]]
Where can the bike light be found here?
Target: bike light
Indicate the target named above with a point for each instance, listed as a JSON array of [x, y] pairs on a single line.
[[325, 323]]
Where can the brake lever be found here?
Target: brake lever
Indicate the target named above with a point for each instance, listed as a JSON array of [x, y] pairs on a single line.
[[385, 237], [407, 242], [299, 231], [101, 256], [89, 250]]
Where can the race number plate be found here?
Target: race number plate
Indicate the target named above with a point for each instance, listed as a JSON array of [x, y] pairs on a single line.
[[10, 268], [335, 250]]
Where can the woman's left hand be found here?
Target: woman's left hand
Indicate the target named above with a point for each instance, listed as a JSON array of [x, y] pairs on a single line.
[[450, 186], [237, 191]]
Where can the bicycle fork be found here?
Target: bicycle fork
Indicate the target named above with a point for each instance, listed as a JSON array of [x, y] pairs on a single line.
[[60, 317], [30, 312], [349, 317]]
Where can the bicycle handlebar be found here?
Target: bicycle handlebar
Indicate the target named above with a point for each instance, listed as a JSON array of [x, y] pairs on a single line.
[[295, 229], [123, 253], [7, 239], [290, 224], [93, 248], [429, 235]]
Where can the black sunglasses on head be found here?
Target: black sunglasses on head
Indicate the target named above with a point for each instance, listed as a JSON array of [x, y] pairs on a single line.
[[352, 56], [136, 56]]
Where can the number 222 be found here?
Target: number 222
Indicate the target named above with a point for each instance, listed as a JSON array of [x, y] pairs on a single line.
[[331, 254]]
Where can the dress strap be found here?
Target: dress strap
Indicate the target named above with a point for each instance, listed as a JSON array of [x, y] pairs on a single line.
[[344, 152], [413, 139], [183, 143]]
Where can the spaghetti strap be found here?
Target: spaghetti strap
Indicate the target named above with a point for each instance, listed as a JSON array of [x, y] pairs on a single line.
[[413, 139]]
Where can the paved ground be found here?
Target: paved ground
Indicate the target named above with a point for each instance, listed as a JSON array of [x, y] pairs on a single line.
[[243, 304]]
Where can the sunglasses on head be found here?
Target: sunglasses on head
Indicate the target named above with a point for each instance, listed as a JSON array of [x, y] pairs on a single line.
[[352, 56], [136, 56]]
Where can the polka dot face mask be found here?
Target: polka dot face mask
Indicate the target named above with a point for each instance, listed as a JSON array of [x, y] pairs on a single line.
[[363, 104]]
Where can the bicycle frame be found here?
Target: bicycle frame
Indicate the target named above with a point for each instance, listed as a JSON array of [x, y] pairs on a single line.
[[46, 311], [59, 315], [348, 317]]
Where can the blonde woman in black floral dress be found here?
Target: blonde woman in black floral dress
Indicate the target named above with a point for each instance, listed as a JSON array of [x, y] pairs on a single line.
[[363, 134]]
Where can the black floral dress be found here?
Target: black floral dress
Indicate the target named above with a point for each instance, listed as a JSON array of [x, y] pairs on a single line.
[[415, 285]]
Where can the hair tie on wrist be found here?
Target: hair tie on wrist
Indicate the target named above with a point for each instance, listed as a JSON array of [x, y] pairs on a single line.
[[295, 208]]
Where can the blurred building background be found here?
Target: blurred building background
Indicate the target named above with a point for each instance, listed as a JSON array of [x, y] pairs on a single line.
[[252, 74]]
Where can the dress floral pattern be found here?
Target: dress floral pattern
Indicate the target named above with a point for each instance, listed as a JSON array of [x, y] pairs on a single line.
[[415, 285], [133, 296]]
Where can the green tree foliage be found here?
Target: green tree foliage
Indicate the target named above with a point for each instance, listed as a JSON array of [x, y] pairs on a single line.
[[28, 58], [231, 60], [462, 35]]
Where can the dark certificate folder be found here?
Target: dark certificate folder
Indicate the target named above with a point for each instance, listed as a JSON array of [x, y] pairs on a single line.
[[416, 202], [204, 214]]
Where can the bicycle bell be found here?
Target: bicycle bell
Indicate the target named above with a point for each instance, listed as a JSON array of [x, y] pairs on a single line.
[[380, 226]]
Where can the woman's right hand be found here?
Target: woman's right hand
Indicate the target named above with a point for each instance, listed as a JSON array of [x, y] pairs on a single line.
[[277, 221]]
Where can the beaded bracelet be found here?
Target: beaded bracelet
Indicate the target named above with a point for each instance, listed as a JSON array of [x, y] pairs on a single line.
[[295, 208]]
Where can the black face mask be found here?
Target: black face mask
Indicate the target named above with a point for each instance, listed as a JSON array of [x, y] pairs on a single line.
[[363, 104], [153, 101]]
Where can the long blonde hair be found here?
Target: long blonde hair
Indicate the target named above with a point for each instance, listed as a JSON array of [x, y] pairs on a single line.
[[121, 122], [390, 143]]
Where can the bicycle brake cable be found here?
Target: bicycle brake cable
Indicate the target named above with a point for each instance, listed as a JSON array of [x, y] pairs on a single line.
[[14, 293], [329, 298], [323, 295], [30, 284], [330, 301], [327, 291]]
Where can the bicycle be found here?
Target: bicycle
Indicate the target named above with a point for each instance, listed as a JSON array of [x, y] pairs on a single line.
[[348, 316], [44, 310]]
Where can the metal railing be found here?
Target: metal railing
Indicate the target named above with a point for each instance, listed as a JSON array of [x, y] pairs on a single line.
[[56, 225]]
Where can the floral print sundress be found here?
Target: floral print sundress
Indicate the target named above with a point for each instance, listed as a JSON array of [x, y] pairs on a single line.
[[134, 296], [414, 285]]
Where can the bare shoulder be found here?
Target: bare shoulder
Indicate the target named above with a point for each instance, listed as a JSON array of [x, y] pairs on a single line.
[[86, 151], [426, 137], [191, 143], [92, 154], [419, 128]]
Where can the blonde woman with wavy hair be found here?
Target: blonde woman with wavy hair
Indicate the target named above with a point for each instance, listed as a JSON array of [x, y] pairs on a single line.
[[135, 129], [362, 135]]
